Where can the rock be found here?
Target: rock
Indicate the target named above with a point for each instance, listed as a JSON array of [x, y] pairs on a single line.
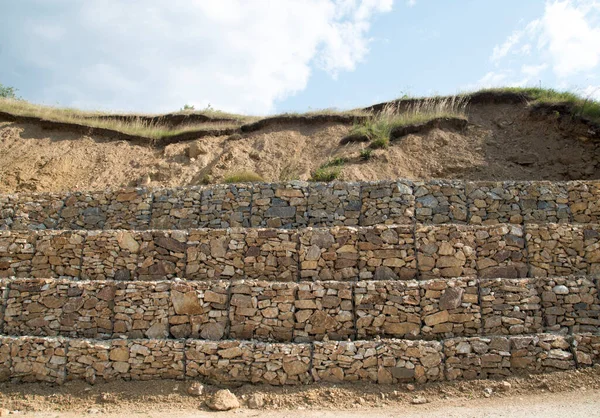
[[223, 400], [158, 330], [561, 290], [505, 386], [256, 401], [195, 389], [213, 331], [186, 303], [107, 398], [127, 242], [452, 298], [195, 149], [385, 273], [119, 354], [293, 368], [4, 412], [419, 400], [487, 392], [410, 387], [93, 411]]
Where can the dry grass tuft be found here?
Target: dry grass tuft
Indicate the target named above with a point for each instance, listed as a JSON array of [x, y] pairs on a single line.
[[379, 127], [243, 177]]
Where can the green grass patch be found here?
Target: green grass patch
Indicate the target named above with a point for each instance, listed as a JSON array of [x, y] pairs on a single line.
[[326, 174], [329, 171], [380, 143], [366, 154], [335, 162], [243, 177]]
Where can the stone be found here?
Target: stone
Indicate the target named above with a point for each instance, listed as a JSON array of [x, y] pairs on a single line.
[[119, 354], [127, 242], [213, 331], [452, 298], [256, 401], [419, 400], [195, 149], [195, 389], [223, 400], [561, 290]]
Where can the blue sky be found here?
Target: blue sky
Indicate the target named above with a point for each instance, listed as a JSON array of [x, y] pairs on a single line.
[[269, 56]]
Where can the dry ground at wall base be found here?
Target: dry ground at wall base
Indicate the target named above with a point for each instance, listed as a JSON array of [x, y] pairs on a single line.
[[553, 393]]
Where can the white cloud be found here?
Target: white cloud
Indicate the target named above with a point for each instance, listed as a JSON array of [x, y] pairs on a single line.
[[533, 70], [501, 51], [155, 55], [411, 3], [566, 36], [505, 78], [573, 43], [592, 92]]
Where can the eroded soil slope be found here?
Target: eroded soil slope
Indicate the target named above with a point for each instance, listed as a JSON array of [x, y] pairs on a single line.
[[502, 141]]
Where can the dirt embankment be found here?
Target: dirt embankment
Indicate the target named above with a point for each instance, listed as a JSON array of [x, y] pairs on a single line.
[[501, 141]]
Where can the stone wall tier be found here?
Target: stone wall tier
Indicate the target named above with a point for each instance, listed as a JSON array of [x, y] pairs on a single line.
[[301, 204], [302, 312], [387, 361], [341, 253]]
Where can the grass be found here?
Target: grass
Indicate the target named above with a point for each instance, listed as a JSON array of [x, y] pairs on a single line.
[[379, 127], [243, 177], [136, 127], [329, 171], [326, 174], [366, 154], [580, 106], [335, 162]]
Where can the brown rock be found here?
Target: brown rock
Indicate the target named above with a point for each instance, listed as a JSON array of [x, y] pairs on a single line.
[[186, 303], [223, 400], [293, 368]]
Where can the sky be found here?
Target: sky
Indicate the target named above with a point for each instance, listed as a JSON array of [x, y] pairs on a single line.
[[271, 56]]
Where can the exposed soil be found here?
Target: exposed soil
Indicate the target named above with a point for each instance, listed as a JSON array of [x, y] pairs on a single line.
[[122, 398], [502, 141]]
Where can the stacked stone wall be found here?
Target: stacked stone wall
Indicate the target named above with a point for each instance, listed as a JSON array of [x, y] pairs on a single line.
[[386, 361], [302, 204]]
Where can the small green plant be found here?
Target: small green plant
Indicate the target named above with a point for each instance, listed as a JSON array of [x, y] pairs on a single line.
[[243, 177], [366, 154], [326, 174], [335, 162], [380, 143], [8, 92], [188, 108]]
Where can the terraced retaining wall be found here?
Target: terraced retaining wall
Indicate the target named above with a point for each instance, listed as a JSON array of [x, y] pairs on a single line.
[[301, 204]]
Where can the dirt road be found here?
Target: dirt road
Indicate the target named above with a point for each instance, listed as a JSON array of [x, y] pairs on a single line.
[[548, 405]]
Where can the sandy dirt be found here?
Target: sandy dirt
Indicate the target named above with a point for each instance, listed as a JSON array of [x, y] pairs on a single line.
[[501, 142], [572, 404], [579, 388]]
